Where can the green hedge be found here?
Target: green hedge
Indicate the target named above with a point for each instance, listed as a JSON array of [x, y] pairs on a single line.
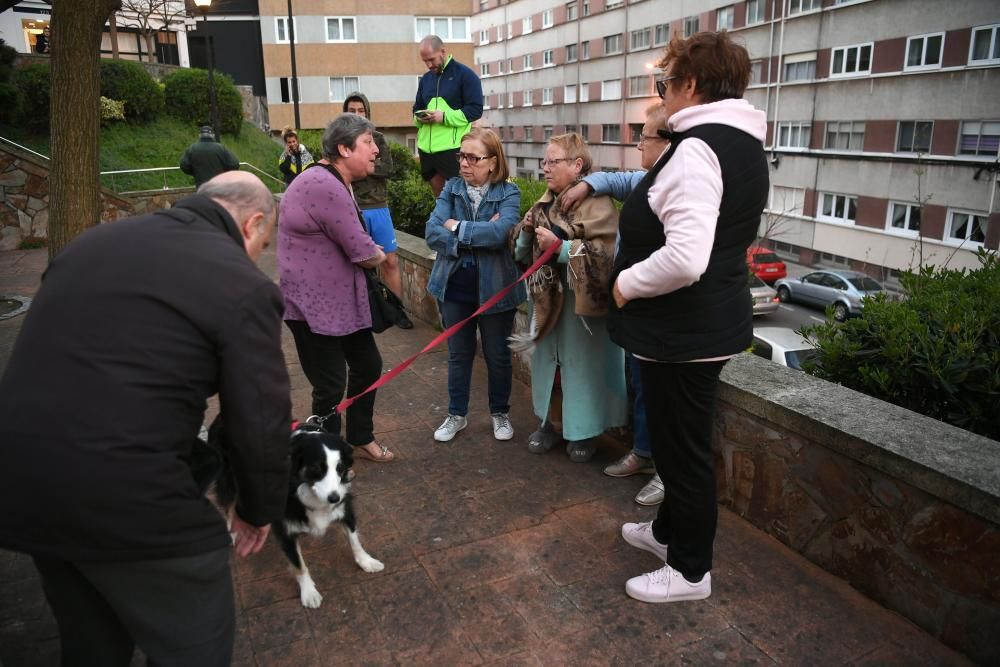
[[131, 83], [186, 93], [937, 352], [33, 83], [10, 96]]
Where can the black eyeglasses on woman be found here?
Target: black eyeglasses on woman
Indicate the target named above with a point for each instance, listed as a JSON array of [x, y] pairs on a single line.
[[661, 85]]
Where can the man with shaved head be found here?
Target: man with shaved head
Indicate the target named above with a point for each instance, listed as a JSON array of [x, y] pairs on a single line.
[[136, 325]]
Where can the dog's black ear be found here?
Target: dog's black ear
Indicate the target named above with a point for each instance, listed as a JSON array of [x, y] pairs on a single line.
[[347, 455], [295, 454]]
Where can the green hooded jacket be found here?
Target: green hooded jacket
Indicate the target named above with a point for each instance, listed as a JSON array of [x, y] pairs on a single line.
[[371, 192]]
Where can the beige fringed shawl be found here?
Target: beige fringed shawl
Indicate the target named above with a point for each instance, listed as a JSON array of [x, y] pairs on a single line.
[[591, 231]]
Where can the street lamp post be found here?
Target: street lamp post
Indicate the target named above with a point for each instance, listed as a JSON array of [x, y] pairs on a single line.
[[203, 6]]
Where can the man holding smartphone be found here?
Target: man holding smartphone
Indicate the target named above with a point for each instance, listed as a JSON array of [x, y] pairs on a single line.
[[449, 100]]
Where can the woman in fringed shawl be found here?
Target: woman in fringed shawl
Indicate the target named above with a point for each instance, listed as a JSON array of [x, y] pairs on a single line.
[[569, 301]]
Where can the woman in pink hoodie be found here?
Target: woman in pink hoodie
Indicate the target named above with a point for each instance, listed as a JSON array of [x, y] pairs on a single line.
[[681, 302]]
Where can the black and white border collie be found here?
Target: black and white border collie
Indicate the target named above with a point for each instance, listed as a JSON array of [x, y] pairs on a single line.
[[319, 494]]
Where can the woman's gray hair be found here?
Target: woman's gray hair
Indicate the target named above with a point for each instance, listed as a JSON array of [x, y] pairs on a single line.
[[344, 130]]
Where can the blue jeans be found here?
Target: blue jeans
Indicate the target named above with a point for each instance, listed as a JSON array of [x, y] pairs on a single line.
[[494, 330], [640, 428]]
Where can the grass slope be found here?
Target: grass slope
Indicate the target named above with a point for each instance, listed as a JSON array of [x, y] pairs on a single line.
[[161, 144]]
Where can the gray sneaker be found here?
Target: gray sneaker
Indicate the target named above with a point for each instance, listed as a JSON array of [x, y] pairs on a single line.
[[502, 428], [652, 493], [449, 427], [630, 464]]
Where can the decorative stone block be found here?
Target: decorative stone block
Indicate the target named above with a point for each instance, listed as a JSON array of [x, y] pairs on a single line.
[[10, 238], [13, 178], [40, 224]]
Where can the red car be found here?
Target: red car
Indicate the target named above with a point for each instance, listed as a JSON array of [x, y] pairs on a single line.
[[765, 264]]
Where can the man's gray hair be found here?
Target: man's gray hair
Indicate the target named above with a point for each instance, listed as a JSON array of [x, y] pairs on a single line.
[[241, 197], [433, 41], [344, 130]]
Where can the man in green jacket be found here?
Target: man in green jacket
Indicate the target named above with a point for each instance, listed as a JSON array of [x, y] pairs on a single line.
[[205, 159]]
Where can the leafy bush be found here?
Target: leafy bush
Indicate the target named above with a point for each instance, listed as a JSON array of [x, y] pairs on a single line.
[[34, 85], [411, 201], [187, 99], [937, 352], [531, 191], [111, 110], [404, 164], [132, 83], [10, 96]]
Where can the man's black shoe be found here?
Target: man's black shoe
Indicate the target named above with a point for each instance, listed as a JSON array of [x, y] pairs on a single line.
[[404, 322]]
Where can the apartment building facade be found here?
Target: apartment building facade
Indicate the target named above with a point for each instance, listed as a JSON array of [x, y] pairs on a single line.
[[883, 115], [347, 45]]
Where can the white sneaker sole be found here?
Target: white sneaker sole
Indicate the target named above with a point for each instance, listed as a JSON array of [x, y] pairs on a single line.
[[502, 438], [638, 544], [643, 596], [440, 438]]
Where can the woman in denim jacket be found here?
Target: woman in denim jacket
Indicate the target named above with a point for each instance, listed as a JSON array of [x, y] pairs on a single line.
[[468, 229]]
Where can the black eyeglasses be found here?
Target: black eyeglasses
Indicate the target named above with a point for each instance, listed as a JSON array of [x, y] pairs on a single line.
[[661, 85], [470, 158], [542, 163]]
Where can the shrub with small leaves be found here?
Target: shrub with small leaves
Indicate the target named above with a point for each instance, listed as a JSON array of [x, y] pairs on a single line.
[[132, 83], [111, 110], [34, 85], [187, 98]]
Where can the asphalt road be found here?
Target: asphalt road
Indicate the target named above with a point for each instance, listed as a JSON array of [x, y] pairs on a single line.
[[792, 316]]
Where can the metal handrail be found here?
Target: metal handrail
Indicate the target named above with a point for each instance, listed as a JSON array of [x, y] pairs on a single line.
[[25, 148]]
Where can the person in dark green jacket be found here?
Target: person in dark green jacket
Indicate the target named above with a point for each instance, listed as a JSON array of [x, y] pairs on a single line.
[[205, 159]]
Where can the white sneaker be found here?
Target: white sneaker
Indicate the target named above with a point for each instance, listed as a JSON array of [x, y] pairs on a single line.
[[640, 535], [449, 427], [502, 430], [667, 585]]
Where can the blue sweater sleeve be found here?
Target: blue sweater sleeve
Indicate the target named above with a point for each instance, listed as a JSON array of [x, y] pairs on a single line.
[[618, 184]]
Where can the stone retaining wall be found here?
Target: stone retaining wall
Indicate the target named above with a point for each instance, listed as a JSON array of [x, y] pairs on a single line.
[[903, 507]]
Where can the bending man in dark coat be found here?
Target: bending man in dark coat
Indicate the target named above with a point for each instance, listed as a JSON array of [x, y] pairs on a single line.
[[137, 323]]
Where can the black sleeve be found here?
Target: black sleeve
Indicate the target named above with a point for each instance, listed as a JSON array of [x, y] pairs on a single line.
[[255, 398]]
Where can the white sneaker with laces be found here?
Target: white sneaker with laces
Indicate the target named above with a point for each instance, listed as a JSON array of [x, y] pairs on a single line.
[[502, 429], [667, 585], [640, 535], [449, 427]]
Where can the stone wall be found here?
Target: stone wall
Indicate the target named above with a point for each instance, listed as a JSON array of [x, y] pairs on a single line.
[[904, 507]]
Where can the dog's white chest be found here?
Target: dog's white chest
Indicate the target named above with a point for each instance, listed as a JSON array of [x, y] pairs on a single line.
[[320, 519]]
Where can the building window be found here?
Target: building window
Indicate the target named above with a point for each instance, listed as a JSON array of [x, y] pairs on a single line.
[[613, 4], [281, 29], [284, 83], [571, 11], [661, 34], [547, 21], [340, 29], [924, 52], [484, 36], [613, 44], [586, 7], [786, 200], [837, 208], [546, 132], [569, 94], [799, 6], [756, 72], [639, 39], [510, 64], [611, 89], [499, 67], [528, 95], [484, 5], [640, 86], [725, 18], [526, 61], [529, 133], [571, 53], [526, 25], [585, 51], [793, 135], [985, 49], [690, 26], [914, 136], [966, 226], [979, 138], [584, 92], [611, 134], [755, 11], [584, 132], [510, 30], [570, 129], [484, 69], [845, 136], [635, 132], [903, 218], [448, 28], [851, 60], [547, 96], [802, 70], [340, 86], [548, 57], [510, 99]]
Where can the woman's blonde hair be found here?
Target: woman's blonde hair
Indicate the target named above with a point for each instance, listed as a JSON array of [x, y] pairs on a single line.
[[289, 132], [575, 147], [494, 148]]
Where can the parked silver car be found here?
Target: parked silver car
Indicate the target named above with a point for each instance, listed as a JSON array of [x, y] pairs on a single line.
[[765, 299], [782, 346], [844, 290]]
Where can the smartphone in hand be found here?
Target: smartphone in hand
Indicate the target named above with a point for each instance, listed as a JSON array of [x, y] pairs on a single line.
[[424, 114]]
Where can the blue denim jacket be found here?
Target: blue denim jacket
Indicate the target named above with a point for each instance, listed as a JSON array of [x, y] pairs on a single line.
[[485, 239]]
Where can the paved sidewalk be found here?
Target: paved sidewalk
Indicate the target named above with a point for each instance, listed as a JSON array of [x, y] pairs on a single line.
[[498, 557]]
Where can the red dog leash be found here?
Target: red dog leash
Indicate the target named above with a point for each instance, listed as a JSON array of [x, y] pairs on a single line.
[[450, 331]]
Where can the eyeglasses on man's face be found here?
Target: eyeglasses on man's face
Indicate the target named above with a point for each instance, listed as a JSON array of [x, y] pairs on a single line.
[[644, 138], [661, 85], [470, 158], [543, 162]]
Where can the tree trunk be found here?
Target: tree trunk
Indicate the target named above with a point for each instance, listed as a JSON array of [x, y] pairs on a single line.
[[113, 26], [74, 113], [150, 46]]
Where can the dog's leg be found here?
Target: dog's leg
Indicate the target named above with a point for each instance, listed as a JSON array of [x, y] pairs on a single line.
[[361, 557], [309, 596]]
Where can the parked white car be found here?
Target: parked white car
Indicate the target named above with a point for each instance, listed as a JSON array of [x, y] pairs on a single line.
[[783, 346]]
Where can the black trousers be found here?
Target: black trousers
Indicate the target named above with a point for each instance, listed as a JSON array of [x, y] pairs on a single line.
[[332, 363], [680, 401], [179, 611]]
